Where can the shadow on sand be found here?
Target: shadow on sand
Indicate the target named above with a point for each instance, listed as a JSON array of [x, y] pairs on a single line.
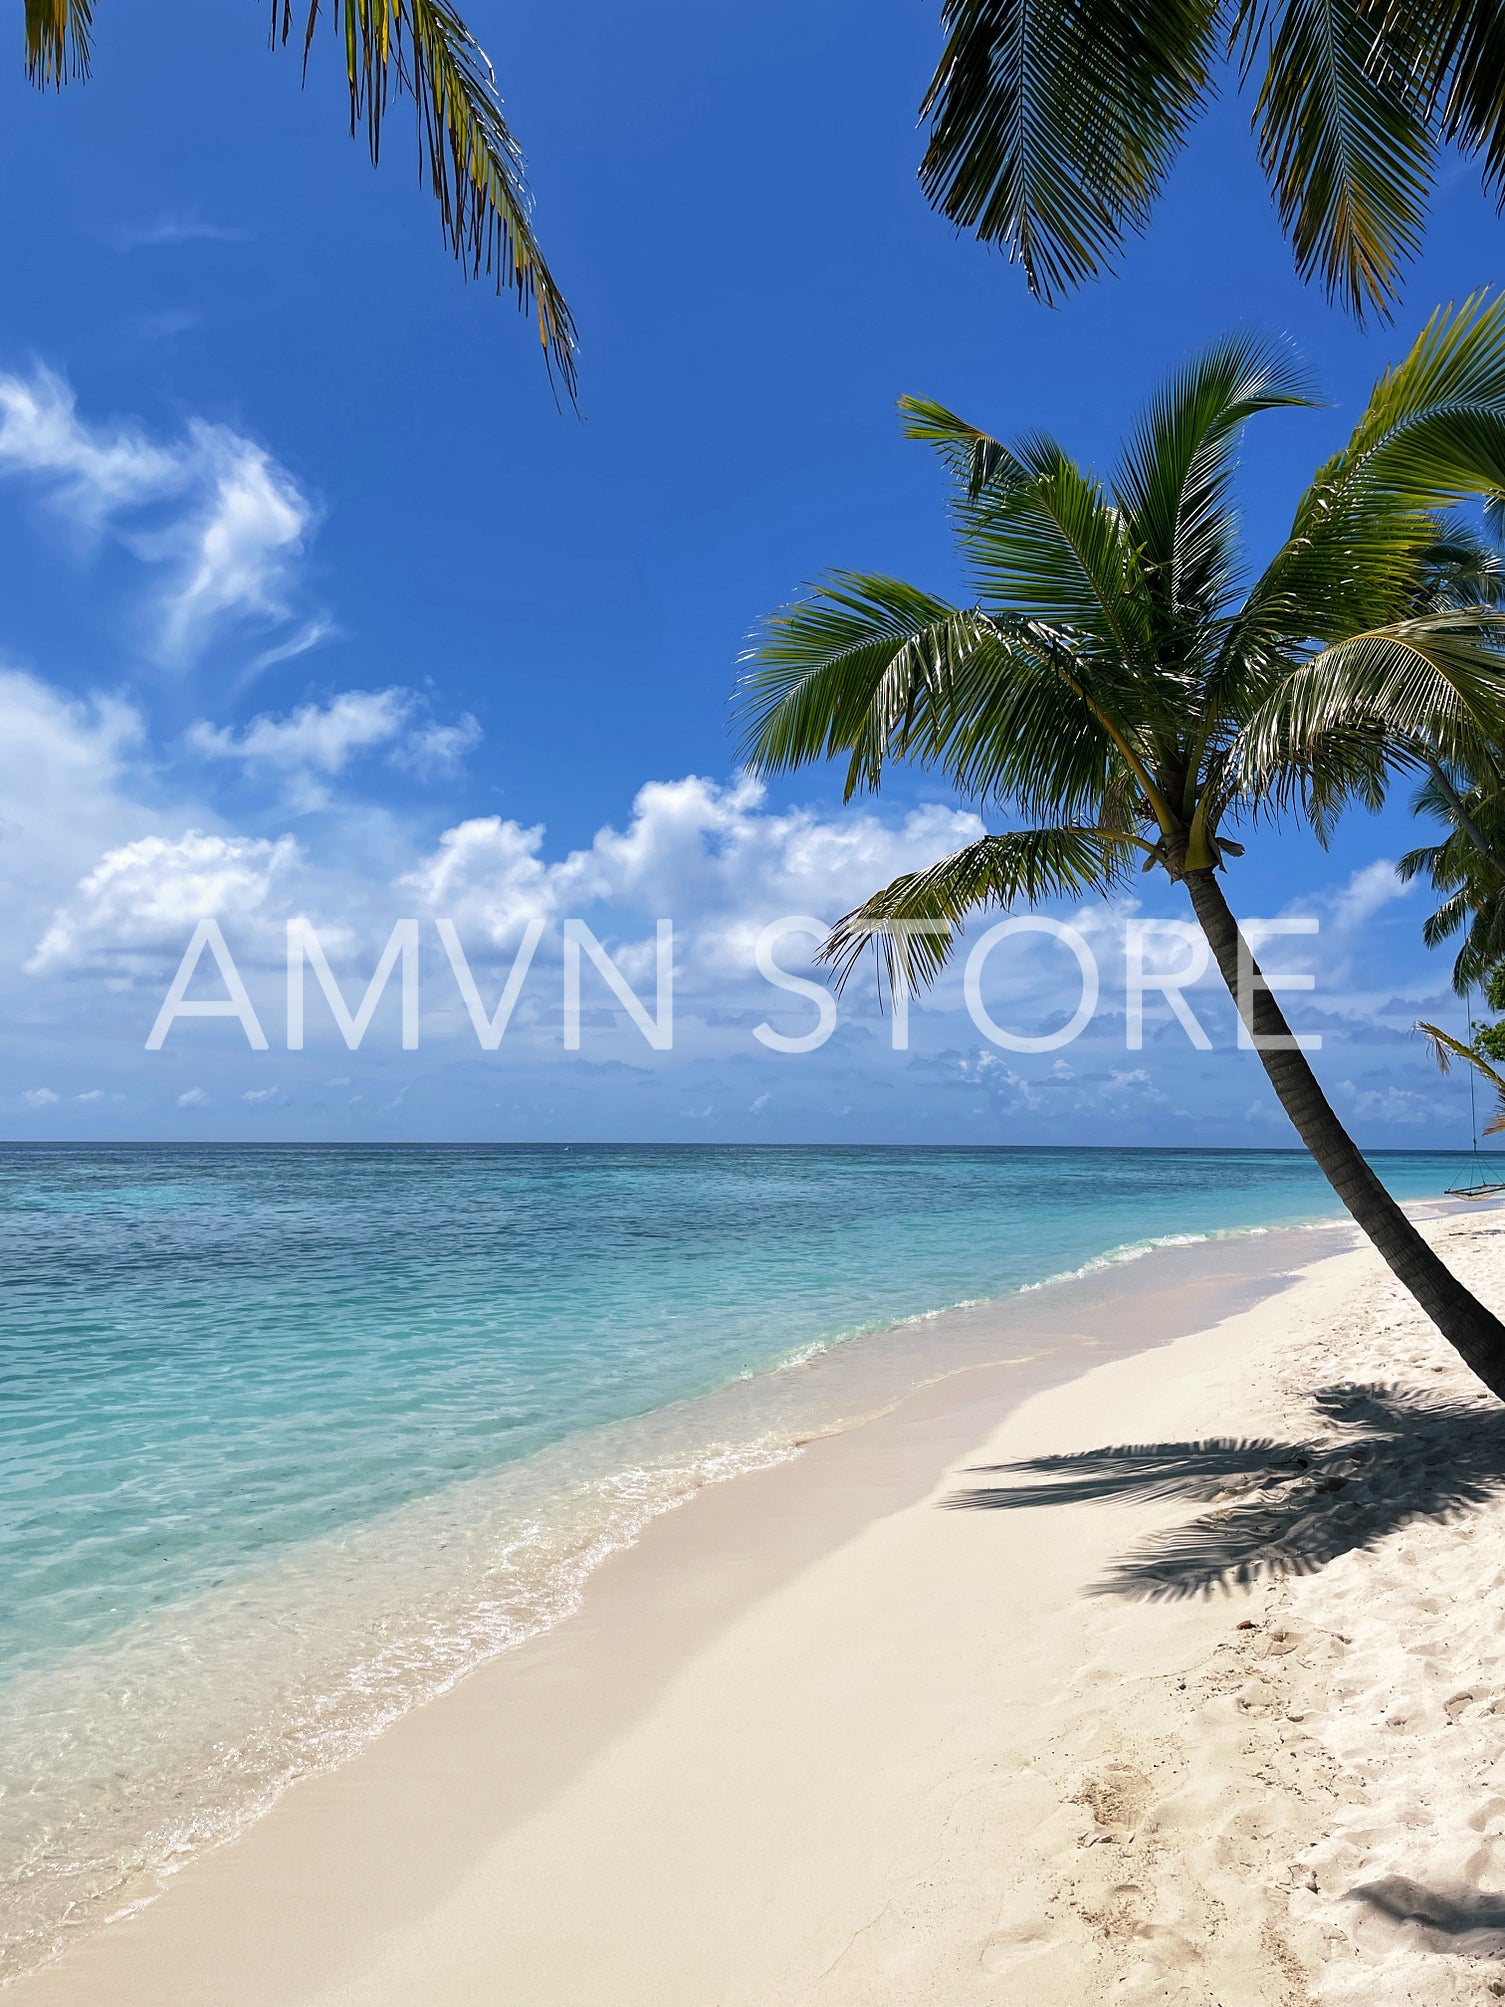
[[1387, 1456]]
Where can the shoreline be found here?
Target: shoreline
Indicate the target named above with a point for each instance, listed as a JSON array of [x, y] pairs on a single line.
[[699, 1568], [236, 1699], [546, 1706]]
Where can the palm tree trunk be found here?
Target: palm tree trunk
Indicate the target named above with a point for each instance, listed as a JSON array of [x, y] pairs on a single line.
[[1461, 1318]]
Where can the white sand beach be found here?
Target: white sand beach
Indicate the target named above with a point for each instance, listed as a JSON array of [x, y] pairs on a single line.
[[1204, 1706]]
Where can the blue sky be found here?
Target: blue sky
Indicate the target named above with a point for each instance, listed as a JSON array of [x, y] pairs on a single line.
[[301, 556]]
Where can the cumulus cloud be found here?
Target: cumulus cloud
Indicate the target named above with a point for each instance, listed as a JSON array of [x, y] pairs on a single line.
[[39, 1097], [227, 522], [142, 900], [692, 850]]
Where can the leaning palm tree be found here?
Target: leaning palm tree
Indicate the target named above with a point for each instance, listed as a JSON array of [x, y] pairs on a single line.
[[1055, 122], [1117, 683], [418, 48]]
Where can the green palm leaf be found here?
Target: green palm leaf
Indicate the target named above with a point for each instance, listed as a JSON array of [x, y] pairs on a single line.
[[1446, 1048], [912, 923], [1053, 122], [1345, 141]]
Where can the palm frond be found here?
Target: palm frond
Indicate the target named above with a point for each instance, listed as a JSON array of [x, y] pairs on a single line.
[[1458, 61], [467, 154], [877, 671], [1053, 122], [1439, 678], [1344, 138], [912, 923], [1446, 1048], [1172, 484], [1038, 534], [1431, 435], [58, 40]]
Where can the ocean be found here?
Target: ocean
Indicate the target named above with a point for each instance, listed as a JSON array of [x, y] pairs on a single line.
[[292, 1438]]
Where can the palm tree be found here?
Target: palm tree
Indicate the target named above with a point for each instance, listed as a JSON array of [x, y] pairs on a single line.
[[1117, 684], [1054, 122], [423, 49], [1469, 866]]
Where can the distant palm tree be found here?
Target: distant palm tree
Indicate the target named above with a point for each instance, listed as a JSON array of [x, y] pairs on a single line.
[[1469, 866], [1117, 683], [1469, 863], [466, 151], [1055, 122]]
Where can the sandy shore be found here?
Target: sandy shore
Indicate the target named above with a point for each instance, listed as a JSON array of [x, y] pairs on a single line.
[[1177, 1685]]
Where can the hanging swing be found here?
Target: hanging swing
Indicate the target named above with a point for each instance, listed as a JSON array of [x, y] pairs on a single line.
[[1479, 1186]]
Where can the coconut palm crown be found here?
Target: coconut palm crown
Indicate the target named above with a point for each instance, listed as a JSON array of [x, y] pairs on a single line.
[[1124, 689]]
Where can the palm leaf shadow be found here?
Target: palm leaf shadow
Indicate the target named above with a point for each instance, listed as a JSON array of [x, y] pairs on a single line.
[[1387, 1456]]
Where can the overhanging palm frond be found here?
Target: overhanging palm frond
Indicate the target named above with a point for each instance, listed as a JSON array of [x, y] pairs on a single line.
[[912, 922], [1459, 61], [1344, 138], [1446, 1048], [467, 153], [58, 36], [1053, 122]]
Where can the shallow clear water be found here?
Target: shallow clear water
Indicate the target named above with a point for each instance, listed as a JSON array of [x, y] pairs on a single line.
[[289, 1438]]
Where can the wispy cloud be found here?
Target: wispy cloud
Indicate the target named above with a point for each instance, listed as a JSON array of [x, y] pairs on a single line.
[[433, 751], [318, 736], [170, 226], [317, 741], [90, 472], [241, 548], [167, 324], [226, 521]]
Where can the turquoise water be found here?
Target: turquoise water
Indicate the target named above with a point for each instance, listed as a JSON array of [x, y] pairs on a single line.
[[293, 1436]]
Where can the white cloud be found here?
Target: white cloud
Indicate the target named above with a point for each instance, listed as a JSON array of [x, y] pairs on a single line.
[[193, 1097], [254, 1096], [1389, 1105], [239, 548], [39, 1097], [436, 750], [171, 226], [91, 1094], [232, 535], [90, 472], [143, 899], [1367, 891], [692, 851], [320, 737]]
